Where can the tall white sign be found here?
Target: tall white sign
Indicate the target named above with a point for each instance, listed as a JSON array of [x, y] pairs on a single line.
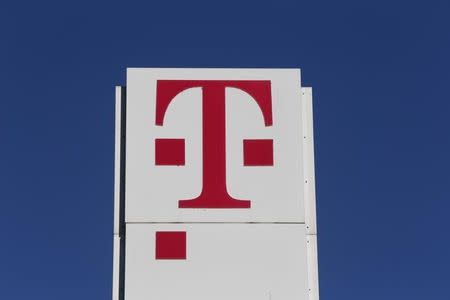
[[214, 193]]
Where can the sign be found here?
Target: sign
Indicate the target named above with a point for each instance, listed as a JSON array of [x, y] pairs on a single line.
[[214, 185]]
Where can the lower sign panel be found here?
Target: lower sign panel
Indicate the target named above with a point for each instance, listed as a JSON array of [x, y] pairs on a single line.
[[216, 262]]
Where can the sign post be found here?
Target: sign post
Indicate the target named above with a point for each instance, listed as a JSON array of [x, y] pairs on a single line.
[[214, 189]]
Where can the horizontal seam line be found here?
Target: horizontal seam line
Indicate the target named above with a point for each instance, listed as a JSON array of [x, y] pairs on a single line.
[[214, 222]]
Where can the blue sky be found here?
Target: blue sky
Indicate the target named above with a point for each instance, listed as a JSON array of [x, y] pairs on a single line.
[[380, 72]]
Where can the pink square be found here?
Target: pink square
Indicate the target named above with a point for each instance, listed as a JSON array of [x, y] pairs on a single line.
[[258, 152], [169, 152], [170, 245]]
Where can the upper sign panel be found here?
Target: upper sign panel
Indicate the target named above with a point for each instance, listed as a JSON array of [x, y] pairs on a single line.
[[214, 145]]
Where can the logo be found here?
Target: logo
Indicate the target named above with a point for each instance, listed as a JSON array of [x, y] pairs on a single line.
[[257, 152]]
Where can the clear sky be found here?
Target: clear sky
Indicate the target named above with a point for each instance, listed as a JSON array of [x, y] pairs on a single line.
[[380, 72]]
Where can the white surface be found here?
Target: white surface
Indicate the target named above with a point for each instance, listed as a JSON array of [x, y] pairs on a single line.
[[235, 260], [116, 268], [152, 192], [224, 262], [310, 193], [308, 161], [117, 150], [313, 270]]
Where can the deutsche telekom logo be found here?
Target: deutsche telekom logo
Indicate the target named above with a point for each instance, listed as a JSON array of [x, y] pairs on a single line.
[[257, 152]]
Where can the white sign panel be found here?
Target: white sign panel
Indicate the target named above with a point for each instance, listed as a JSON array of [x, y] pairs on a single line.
[[214, 190], [221, 262], [214, 145]]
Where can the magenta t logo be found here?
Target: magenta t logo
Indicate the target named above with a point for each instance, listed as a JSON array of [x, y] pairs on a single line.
[[214, 192]]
